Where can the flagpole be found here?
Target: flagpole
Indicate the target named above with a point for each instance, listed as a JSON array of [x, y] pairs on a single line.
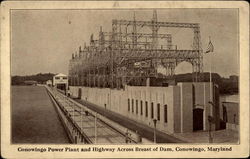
[[210, 50], [204, 103], [210, 140], [211, 98], [210, 78]]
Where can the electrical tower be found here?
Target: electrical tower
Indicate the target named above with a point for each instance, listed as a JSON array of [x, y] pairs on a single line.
[[127, 56]]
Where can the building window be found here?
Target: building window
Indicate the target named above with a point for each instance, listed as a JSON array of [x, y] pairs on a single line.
[[65, 78], [165, 113], [128, 105], [146, 109], [132, 105], [158, 112], [141, 108], [57, 78], [152, 110], [136, 108]]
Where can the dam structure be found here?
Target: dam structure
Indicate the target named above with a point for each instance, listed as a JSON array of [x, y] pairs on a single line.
[[118, 72]]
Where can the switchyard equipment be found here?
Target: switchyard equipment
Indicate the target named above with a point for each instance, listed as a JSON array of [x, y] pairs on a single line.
[[128, 56]]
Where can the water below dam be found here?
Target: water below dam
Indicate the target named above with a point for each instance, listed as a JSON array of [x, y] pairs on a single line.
[[34, 118]]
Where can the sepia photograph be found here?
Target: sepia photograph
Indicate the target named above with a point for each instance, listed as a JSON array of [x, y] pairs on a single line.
[[124, 76]]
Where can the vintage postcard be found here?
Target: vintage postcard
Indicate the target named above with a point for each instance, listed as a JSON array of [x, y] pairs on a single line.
[[124, 79]]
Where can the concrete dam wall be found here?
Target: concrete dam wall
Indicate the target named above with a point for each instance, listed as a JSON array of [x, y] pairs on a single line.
[[181, 108]]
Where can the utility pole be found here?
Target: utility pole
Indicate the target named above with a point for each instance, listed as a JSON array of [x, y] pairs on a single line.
[[154, 130], [73, 112], [96, 128], [154, 30], [210, 139], [81, 118]]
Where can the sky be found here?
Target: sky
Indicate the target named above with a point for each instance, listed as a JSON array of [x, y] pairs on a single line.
[[43, 41]]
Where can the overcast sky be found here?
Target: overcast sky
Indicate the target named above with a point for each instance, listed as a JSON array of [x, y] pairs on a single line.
[[43, 40]]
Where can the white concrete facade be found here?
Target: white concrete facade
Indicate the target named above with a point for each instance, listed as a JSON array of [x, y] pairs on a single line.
[[60, 79], [172, 106]]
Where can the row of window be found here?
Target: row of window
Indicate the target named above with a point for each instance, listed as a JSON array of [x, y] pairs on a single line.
[[59, 78], [144, 109]]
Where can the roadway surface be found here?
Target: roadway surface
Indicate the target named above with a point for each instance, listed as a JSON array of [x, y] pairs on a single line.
[[105, 134], [34, 118], [144, 130]]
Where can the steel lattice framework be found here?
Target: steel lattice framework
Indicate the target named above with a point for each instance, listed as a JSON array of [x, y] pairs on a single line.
[[124, 55]]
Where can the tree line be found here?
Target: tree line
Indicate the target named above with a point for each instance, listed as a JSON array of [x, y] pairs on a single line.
[[40, 78], [226, 85]]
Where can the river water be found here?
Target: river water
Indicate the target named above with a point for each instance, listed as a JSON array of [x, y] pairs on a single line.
[[34, 118]]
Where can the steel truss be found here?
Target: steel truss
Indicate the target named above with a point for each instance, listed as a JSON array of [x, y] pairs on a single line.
[[126, 56]]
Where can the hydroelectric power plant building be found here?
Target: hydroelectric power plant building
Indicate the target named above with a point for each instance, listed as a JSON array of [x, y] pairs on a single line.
[[118, 72]]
